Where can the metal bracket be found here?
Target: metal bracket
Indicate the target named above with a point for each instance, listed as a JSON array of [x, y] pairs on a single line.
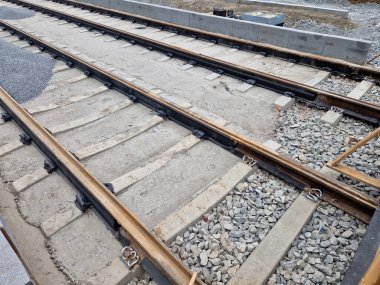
[[129, 256], [313, 194], [25, 139], [249, 160], [162, 113], [289, 94], [49, 165], [109, 186], [6, 117], [199, 134], [82, 202], [336, 110], [251, 81]]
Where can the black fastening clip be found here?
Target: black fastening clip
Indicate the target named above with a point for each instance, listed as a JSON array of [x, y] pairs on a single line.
[[132, 98], [49, 165], [236, 47], [192, 62], [169, 54], [325, 68], [162, 113], [87, 73], [219, 71], [69, 63], [108, 85], [199, 134], [263, 53], [25, 139], [6, 117], [289, 94], [110, 188], [251, 81], [82, 202]]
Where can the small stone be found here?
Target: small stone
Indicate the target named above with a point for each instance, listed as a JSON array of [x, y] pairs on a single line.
[[347, 234], [203, 257], [318, 277]]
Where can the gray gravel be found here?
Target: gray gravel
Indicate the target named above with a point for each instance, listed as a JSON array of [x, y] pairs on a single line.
[[323, 251], [23, 74], [144, 280], [304, 138], [217, 245], [365, 16], [8, 13], [337, 84]]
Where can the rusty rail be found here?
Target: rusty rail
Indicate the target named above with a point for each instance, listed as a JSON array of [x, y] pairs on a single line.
[[351, 107]]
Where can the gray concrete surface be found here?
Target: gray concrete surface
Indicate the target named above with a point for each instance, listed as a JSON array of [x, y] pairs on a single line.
[[185, 176], [135, 152], [84, 247], [19, 162], [45, 199], [352, 50], [102, 129], [23, 74]]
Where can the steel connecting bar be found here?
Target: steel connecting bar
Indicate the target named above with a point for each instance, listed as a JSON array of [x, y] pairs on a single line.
[[354, 71], [157, 252], [352, 107], [335, 192]]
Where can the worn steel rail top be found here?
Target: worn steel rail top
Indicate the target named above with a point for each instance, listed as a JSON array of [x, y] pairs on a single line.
[[354, 71], [357, 204], [352, 107]]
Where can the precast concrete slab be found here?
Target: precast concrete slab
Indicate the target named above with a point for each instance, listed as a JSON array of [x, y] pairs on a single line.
[[105, 128], [8, 133], [84, 247], [185, 176], [45, 199], [81, 109], [19, 162], [135, 152]]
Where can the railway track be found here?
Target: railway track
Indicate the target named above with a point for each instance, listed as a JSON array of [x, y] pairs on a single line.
[[290, 79], [164, 137]]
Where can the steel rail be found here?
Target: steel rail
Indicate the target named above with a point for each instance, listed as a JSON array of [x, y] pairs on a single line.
[[82, 179], [335, 192], [352, 107], [354, 71]]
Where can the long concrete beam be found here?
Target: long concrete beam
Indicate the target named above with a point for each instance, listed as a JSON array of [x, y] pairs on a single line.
[[349, 49]]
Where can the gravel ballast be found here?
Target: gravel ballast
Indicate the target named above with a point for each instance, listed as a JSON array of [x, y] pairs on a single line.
[[23, 75], [305, 138], [323, 251], [217, 245]]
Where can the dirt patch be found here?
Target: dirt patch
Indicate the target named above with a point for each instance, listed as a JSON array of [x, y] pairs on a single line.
[[292, 15]]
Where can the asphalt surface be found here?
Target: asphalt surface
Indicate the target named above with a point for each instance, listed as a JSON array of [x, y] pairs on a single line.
[[23, 75], [8, 13]]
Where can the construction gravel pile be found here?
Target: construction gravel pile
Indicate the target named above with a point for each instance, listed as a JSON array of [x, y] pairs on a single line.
[[323, 251], [217, 245], [23, 75]]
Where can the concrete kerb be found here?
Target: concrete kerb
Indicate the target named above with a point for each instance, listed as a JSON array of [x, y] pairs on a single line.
[[327, 45]]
